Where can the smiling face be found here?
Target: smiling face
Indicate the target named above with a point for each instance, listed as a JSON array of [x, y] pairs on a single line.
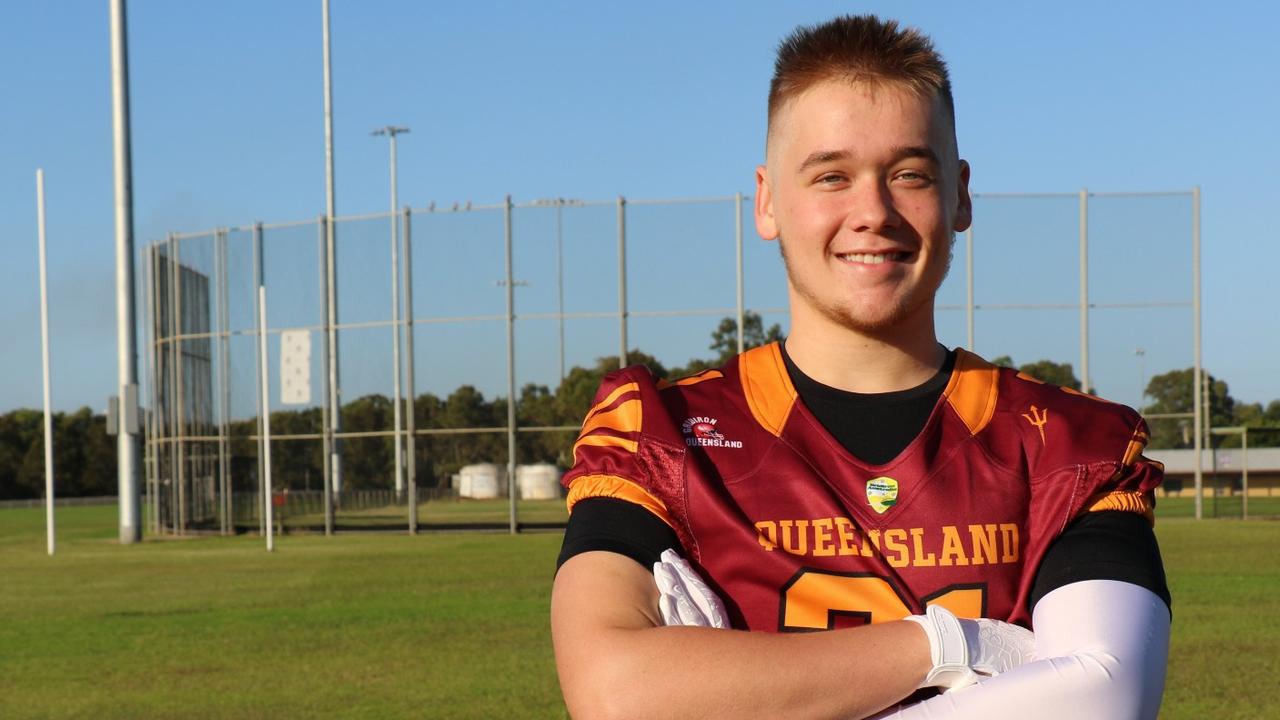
[[863, 189]]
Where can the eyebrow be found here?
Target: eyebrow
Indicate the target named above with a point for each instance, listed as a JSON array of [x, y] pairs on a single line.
[[821, 157], [916, 151]]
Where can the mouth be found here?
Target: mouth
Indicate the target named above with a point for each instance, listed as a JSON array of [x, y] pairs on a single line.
[[858, 258]]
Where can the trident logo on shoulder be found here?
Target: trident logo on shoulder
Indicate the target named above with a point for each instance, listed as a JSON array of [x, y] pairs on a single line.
[[1038, 418]]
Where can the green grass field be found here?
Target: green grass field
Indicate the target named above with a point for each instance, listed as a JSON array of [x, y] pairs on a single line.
[[439, 625], [1260, 507]]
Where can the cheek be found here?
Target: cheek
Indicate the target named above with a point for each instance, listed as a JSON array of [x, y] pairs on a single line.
[[810, 214], [929, 221]]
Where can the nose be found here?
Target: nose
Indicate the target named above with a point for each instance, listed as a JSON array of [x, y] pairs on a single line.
[[871, 207]]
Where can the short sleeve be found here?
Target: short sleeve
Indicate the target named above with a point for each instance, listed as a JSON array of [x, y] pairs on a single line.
[[623, 452], [1103, 545], [616, 526]]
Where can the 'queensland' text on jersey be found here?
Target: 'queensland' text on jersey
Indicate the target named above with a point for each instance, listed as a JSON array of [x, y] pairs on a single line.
[[797, 534]]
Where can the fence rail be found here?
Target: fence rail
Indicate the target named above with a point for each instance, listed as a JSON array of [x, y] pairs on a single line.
[[502, 296]]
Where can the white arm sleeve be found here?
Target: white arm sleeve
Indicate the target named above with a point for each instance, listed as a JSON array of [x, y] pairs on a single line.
[[1103, 646]]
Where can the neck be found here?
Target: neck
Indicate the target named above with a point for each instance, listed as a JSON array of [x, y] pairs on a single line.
[[898, 358]]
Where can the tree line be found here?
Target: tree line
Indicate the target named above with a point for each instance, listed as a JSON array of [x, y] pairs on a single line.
[[85, 456]]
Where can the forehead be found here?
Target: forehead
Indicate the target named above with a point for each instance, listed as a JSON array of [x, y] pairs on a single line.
[[861, 114]]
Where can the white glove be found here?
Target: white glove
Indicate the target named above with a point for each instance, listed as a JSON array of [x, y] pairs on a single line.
[[965, 651], [684, 598]]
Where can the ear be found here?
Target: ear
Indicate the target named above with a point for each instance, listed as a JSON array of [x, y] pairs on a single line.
[[964, 202], [766, 224]]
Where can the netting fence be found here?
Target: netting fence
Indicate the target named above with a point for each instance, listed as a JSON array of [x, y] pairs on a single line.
[[397, 340]]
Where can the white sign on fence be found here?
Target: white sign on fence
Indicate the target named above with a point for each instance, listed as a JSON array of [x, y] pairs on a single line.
[[295, 367]]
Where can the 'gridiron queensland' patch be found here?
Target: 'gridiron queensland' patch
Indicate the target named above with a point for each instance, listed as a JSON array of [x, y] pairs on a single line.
[[882, 493], [702, 432]]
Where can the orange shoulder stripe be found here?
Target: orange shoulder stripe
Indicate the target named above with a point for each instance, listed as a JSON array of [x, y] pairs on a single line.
[[971, 392], [1134, 502], [691, 380], [1134, 450], [613, 486], [627, 418], [617, 393], [605, 441], [1080, 393], [767, 387]]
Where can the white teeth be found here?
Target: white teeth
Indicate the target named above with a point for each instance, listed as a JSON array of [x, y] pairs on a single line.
[[871, 259]]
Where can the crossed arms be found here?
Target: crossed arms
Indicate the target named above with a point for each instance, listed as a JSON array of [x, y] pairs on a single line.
[[1101, 647], [616, 660]]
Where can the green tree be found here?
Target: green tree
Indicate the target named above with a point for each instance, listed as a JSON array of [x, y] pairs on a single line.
[[724, 342], [426, 411], [1061, 374], [85, 456], [465, 408], [724, 339], [577, 390], [300, 462], [1172, 392], [19, 430], [538, 408], [368, 462]]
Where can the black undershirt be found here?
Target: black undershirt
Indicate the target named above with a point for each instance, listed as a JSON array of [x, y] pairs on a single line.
[[876, 428], [873, 427]]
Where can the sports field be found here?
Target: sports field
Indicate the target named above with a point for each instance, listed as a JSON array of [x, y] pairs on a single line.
[[439, 625]]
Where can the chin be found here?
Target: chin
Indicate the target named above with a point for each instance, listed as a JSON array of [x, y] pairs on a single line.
[[874, 320], [866, 325]]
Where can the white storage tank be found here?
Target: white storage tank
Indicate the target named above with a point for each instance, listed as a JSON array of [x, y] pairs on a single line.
[[540, 481], [482, 481]]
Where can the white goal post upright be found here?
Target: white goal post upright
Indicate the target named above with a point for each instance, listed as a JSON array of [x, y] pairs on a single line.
[[44, 361]]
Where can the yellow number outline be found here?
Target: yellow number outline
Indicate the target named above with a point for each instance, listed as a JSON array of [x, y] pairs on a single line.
[[812, 599]]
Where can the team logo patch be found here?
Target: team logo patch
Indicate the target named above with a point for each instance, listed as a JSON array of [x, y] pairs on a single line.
[[702, 432], [1039, 418], [882, 493]]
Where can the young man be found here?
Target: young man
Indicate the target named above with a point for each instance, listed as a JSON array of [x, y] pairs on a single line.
[[859, 472]]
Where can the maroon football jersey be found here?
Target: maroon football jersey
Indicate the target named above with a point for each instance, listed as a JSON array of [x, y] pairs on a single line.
[[797, 534]]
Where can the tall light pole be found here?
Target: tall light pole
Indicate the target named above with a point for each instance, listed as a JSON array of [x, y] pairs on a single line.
[[127, 447], [559, 204], [391, 131], [333, 484]]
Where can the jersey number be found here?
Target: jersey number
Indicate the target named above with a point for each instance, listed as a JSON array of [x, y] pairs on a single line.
[[813, 599]]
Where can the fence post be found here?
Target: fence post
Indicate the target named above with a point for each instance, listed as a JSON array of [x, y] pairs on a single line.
[[224, 372], [622, 281], [410, 425], [737, 245], [151, 463], [968, 279], [1085, 381], [560, 278], [511, 370], [172, 377], [325, 406], [397, 420], [1198, 379], [147, 415], [180, 476], [259, 340], [334, 481]]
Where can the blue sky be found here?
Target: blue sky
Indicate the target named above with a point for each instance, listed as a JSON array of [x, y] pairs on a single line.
[[651, 100]]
